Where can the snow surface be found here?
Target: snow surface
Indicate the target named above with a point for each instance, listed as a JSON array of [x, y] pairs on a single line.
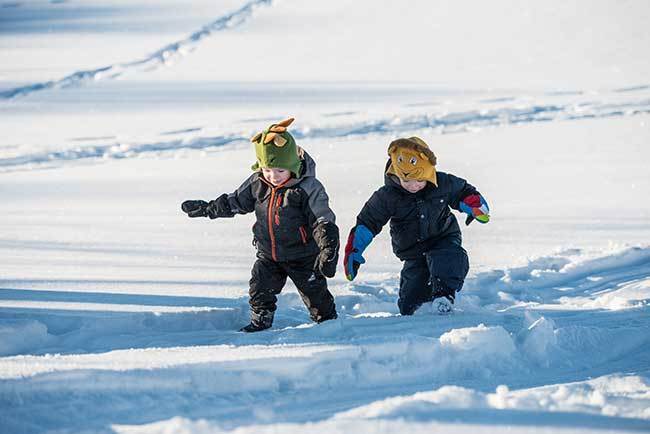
[[119, 314]]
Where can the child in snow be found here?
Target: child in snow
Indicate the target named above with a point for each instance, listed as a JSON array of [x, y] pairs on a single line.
[[295, 231], [424, 233]]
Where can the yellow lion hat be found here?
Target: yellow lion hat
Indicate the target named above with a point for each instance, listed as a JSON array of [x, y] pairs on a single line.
[[412, 160]]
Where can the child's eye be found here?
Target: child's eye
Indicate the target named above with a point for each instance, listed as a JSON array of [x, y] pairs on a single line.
[[414, 161]]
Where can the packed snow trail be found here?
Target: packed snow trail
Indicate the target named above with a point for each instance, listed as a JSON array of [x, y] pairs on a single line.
[[160, 58]]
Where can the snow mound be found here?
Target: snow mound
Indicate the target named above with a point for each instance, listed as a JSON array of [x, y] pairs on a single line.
[[571, 279], [479, 342], [408, 406], [615, 395], [605, 405], [606, 396], [625, 296], [64, 327]]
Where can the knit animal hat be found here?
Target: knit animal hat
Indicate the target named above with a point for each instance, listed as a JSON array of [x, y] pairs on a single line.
[[276, 148], [411, 159]]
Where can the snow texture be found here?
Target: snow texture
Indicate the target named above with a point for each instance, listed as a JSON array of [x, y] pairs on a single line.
[[118, 314]]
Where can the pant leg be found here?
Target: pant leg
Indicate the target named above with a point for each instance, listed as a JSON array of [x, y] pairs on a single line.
[[414, 286], [312, 288], [448, 262], [267, 280]]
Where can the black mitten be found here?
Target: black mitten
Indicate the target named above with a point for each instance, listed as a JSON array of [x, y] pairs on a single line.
[[326, 262], [326, 235], [195, 208], [213, 209]]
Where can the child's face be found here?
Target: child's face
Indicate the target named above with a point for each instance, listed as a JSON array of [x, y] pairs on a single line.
[[275, 176], [412, 186]]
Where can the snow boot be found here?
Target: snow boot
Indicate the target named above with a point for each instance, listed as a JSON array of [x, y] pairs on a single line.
[[259, 321], [444, 306], [443, 297], [331, 316], [252, 328]]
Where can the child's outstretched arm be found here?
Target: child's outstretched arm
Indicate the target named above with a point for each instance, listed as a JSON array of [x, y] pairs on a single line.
[[241, 201], [373, 217], [467, 199]]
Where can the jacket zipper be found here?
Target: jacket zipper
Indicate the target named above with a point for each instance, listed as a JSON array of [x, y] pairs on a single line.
[[277, 209], [270, 216]]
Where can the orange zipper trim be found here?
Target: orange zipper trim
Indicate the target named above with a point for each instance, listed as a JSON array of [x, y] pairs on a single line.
[[270, 222], [277, 209], [270, 215]]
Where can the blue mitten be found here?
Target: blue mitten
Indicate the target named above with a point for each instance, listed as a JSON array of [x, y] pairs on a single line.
[[359, 238]]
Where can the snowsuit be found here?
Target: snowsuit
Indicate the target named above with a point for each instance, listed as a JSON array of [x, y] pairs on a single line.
[[424, 233], [293, 224]]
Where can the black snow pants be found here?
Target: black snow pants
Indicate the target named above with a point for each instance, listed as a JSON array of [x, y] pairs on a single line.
[[268, 279], [446, 261]]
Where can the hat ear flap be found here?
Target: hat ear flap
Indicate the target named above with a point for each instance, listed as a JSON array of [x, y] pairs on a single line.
[[256, 138], [278, 129], [279, 141]]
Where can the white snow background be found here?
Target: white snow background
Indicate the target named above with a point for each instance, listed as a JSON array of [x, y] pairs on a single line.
[[118, 314]]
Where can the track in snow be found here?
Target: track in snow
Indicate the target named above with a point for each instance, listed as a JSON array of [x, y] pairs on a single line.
[[160, 58], [441, 122]]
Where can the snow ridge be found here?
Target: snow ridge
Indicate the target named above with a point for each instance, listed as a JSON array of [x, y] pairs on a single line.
[[165, 56], [441, 122]]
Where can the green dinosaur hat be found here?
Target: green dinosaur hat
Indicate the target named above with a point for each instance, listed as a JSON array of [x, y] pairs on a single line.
[[276, 148]]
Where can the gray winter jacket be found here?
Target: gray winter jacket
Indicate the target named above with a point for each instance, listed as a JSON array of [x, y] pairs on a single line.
[[293, 220]]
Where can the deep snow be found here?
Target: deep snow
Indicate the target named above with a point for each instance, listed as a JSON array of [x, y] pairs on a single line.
[[119, 314]]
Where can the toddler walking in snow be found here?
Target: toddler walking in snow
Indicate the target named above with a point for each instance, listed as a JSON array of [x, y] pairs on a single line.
[[295, 231], [424, 233]]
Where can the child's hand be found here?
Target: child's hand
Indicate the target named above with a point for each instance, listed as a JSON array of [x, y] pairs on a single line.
[[195, 208], [359, 238], [326, 235], [326, 262], [475, 207], [213, 209]]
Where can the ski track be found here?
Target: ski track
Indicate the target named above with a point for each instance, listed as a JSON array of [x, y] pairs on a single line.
[[568, 317], [160, 58], [441, 123]]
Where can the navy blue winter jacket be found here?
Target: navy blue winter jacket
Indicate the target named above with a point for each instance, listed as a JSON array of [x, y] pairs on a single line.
[[417, 220]]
